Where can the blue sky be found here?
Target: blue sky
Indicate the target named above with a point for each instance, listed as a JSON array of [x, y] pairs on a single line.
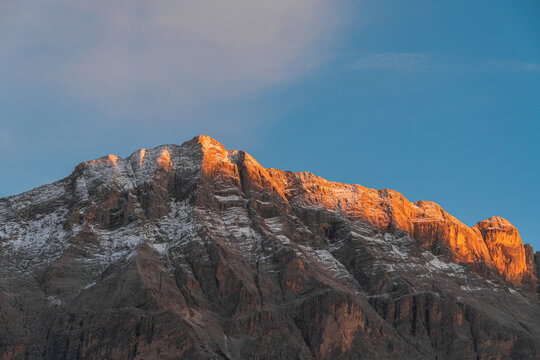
[[437, 100]]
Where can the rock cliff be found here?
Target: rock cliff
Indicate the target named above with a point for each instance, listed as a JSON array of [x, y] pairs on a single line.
[[196, 251]]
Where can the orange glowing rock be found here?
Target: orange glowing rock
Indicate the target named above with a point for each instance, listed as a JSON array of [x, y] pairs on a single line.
[[109, 159], [165, 160], [142, 153], [494, 242], [112, 159], [505, 246]]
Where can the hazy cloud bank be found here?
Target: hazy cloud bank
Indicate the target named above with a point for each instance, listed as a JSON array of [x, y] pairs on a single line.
[[118, 53]]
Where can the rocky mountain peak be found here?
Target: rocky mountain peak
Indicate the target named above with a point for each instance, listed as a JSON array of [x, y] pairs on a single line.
[[506, 248], [208, 142], [495, 223], [197, 251], [384, 209]]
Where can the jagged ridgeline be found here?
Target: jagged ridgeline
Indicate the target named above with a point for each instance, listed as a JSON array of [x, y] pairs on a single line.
[[199, 252]]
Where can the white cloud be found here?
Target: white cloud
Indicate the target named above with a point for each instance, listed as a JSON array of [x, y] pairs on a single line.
[[117, 52], [420, 61], [514, 65], [393, 61]]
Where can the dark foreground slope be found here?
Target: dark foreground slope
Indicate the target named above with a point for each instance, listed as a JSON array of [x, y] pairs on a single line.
[[197, 252]]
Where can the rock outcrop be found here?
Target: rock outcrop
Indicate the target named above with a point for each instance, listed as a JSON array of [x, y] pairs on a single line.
[[196, 251], [506, 248], [482, 246]]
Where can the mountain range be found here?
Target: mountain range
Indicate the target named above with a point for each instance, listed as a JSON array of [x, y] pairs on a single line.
[[199, 252]]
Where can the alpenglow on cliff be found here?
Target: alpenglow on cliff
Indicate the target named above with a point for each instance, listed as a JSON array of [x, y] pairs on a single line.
[[199, 252]]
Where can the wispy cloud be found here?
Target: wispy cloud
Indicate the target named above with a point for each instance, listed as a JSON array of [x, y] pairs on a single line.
[[409, 62], [513, 65], [393, 61], [184, 52]]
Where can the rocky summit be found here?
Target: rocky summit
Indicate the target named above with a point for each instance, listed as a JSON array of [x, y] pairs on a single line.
[[198, 252]]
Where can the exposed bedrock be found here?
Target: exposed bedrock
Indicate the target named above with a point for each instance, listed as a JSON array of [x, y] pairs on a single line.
[[199, 252]]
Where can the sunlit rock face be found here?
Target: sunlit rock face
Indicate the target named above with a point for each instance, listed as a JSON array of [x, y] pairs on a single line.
[[199, 252], [505, 246], [497, 246]]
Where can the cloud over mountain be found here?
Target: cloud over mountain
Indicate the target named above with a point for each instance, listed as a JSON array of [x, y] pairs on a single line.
[[168, 52]]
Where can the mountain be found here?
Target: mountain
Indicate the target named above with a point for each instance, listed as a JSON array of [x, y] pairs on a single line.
[[199, 252]]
